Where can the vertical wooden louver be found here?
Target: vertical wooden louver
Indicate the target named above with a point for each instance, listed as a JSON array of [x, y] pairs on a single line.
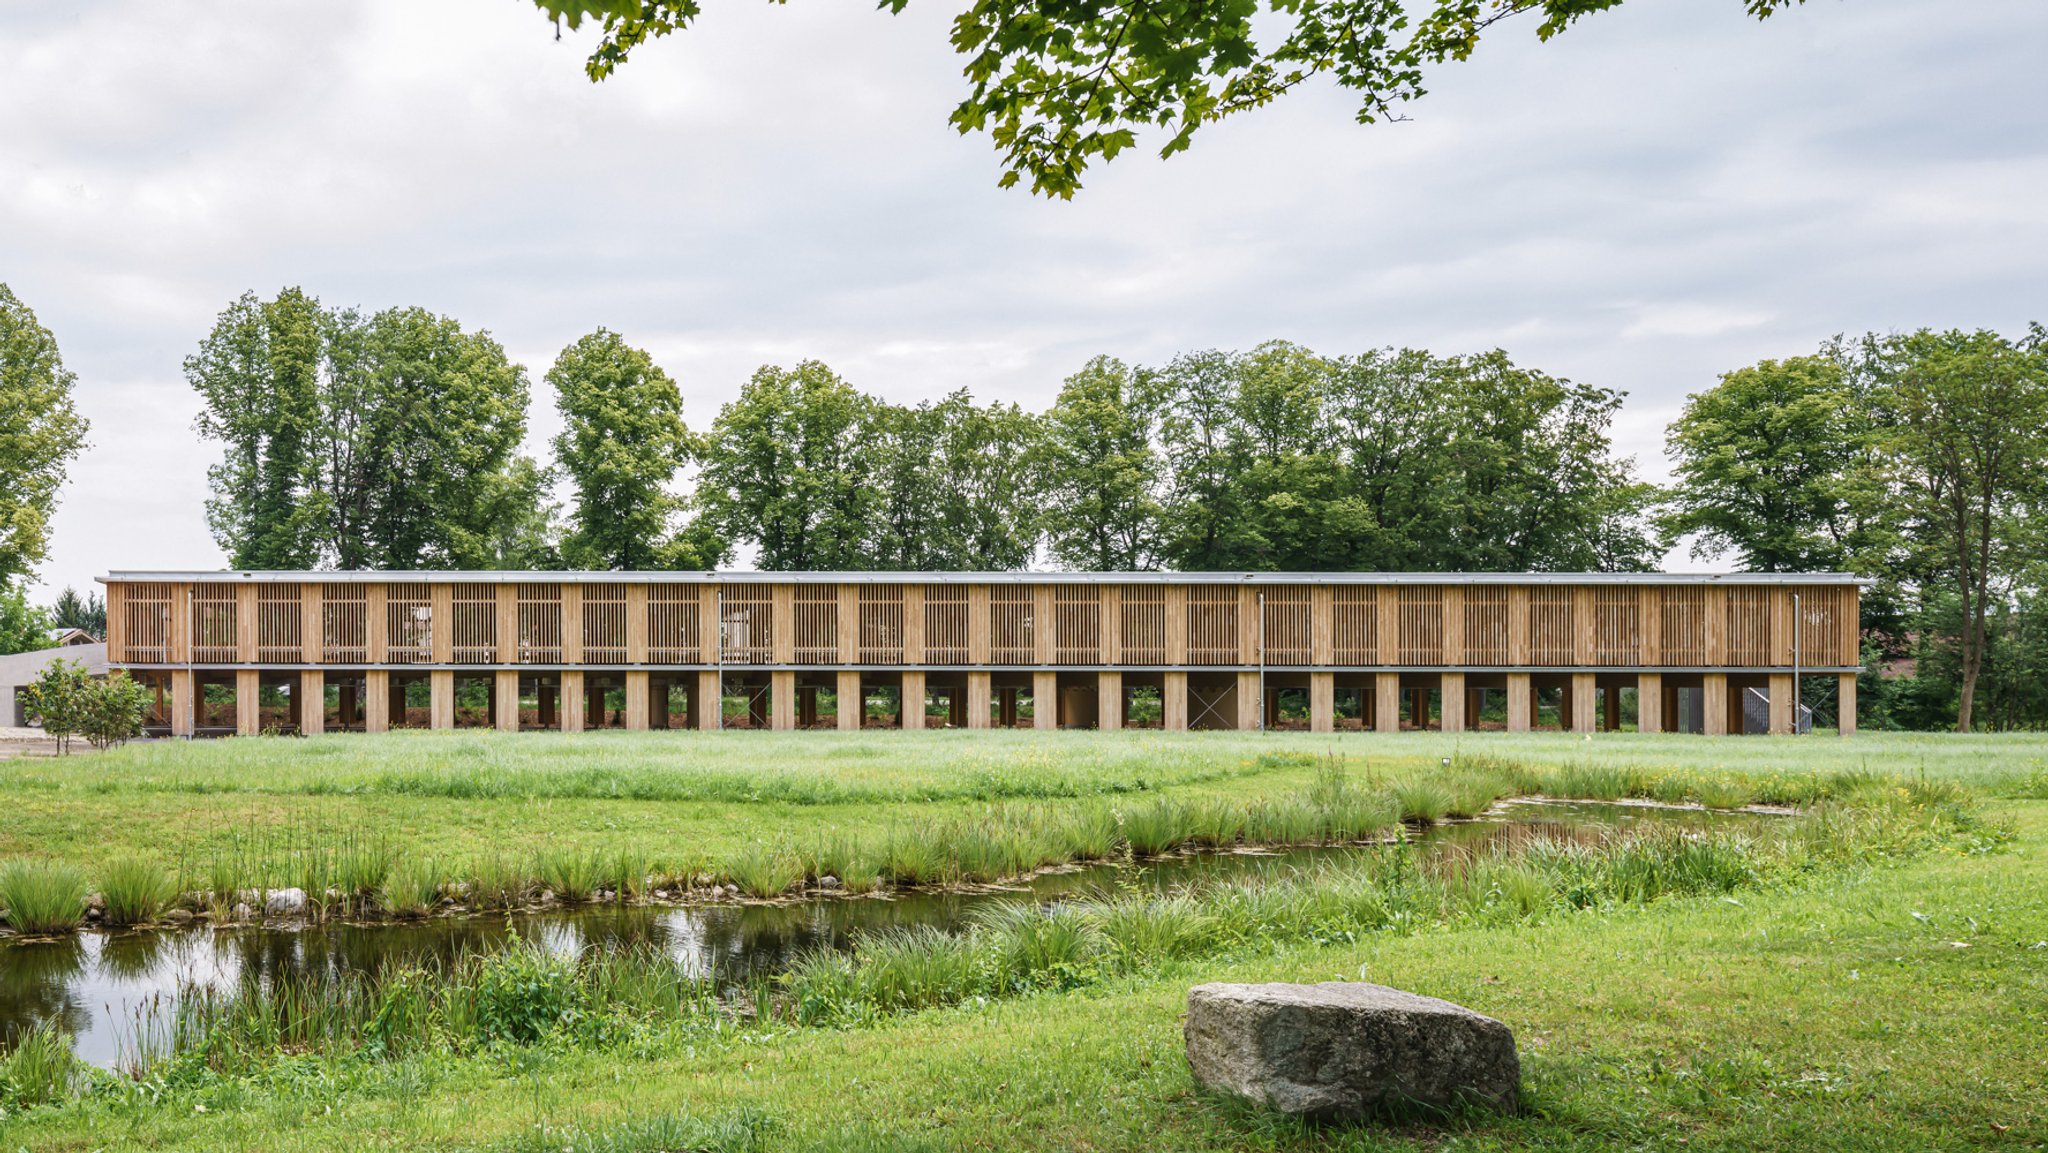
[[1617, 626], [344, 623], [280, 624], [1551, 624], [1422, 624], [1486, 625], [1287, 628], [1212, 625], [881, 624], [1144, 625], [1013, 625], [945, 624], [673, 636]]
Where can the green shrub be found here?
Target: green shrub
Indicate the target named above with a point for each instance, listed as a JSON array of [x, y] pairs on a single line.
[[572, 875], [412, 888], [764, 871], [40, 1070], [135, 890], [42, 896], [1423, 801], [526, 993]]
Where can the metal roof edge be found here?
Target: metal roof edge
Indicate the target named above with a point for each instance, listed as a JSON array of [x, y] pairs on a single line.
[[474, 576]]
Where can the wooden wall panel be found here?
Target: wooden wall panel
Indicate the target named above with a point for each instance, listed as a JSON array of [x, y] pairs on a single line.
[[345, 623], [945, 625], [1354, 625], [1551, 625], [1421, 624], [409, 624], [1289, 625], [913, 624], [538, 624], [1486, 625], [1748, 628], [636, 630], [1142, 635], [1212, 625], [878, 639], [1175, 605], [815, 624], [280, 624], [1012, 626], [604, 624], [1617, 626], [1077, 625], [475, 624], [139, 622], [748, 629], [674, 616], [213, 625], [980, 625], [1389, 631]]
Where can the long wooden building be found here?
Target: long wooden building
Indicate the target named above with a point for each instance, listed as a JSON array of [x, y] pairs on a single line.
[[250, 652]]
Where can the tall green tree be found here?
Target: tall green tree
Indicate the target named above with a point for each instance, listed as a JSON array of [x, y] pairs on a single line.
[[1099, 472], [1776, 466], [259, 373], [24, 627], [788, 466], [86, 613], [622, 442], [1058, 86], [985, 517], [41, 433], [382, 442], [1967, 435]]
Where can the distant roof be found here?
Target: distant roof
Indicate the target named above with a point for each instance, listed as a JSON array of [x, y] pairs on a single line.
[[441, 576]]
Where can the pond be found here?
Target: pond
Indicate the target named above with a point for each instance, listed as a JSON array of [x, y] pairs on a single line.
[[102, 985]]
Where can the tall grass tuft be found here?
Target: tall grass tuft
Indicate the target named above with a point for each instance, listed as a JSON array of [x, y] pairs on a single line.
[[572, 875], [497, 881], [412, 887], [135, 890], [1423, 801], [41, 1069], [42, 896], [764, 871]]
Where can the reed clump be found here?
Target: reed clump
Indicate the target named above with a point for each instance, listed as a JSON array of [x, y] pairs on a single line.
[[135, 891], [42, 896]]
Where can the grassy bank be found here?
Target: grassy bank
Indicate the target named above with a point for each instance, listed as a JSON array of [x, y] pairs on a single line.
[[1867, 977]]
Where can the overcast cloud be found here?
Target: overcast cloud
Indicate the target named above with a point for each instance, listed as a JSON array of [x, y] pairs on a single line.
[[1664, 193]]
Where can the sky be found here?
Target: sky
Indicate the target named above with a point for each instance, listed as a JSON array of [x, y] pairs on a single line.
[[1662, 194]]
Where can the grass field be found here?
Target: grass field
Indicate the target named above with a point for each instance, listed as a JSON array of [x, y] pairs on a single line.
[[1892, 999]]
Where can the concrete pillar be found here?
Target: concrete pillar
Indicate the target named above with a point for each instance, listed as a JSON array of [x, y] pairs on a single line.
[[1585, 702], [1453, 703], [1173, 702], [1521, 702], [1782, 711], [184, 702], [782, 700], [1714, 706], [851, 705], [912, 706], [574, 717], [1845, 703], [1386, 705], [310, 702], [709, 700], [1322, 702], [1650, 703], [1045, 700], [1249, 707], [441, 698], [248, 702], [377, 701], [505, 700], [1109, 701], [977, 700]]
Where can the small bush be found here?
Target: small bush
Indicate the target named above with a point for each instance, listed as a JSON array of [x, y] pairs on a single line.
[[41, 1069], [42, 896], [135, 890], [524, 994]]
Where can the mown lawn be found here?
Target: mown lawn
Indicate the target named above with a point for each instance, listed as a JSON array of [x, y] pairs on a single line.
[[1894, 1005]]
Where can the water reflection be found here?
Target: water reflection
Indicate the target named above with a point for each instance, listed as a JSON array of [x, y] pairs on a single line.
[[102, 986]]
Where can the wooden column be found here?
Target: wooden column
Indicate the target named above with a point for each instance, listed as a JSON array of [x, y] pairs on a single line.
[[572, 626], [1044, 625], [1248, 622], [913, 624], [1109, 701], [1388, 604], [1518, 640], [1521, 696], [637, 687], [184, 702], [709, 700], [1585, 702], [1782, 712], [1650, 703], [441, 685], [1650, 634], [1321, 633], [636, 636], [1454, 632], [441, 634], [245, 624], [1177, 627], [508, 625], [1112, 624], [309, 700], [1845, 703], [1045, 700], [573, 708], [911, 710], [1322, 702], [848, 639], [977, 625], [1453, 719], [248, 702], [1714, 705], [977, 697], [1173, 702], [1386, 705], [505, 699], [1249, 707], [1582, 630], [851, 706], [377, 624], [782, 699], [710, 624], [1716, 630], [377, 709]]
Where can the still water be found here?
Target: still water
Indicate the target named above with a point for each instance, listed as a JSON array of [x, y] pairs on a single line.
[[97, 984]]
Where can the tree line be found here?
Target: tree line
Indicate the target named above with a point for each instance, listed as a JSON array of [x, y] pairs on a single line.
[[394, 440]]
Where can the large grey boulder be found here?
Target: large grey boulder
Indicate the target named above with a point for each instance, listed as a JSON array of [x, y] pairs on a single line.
[[1345, 1050]]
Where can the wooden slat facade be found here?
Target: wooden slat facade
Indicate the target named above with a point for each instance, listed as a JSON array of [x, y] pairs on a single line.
[[1216, 637]]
